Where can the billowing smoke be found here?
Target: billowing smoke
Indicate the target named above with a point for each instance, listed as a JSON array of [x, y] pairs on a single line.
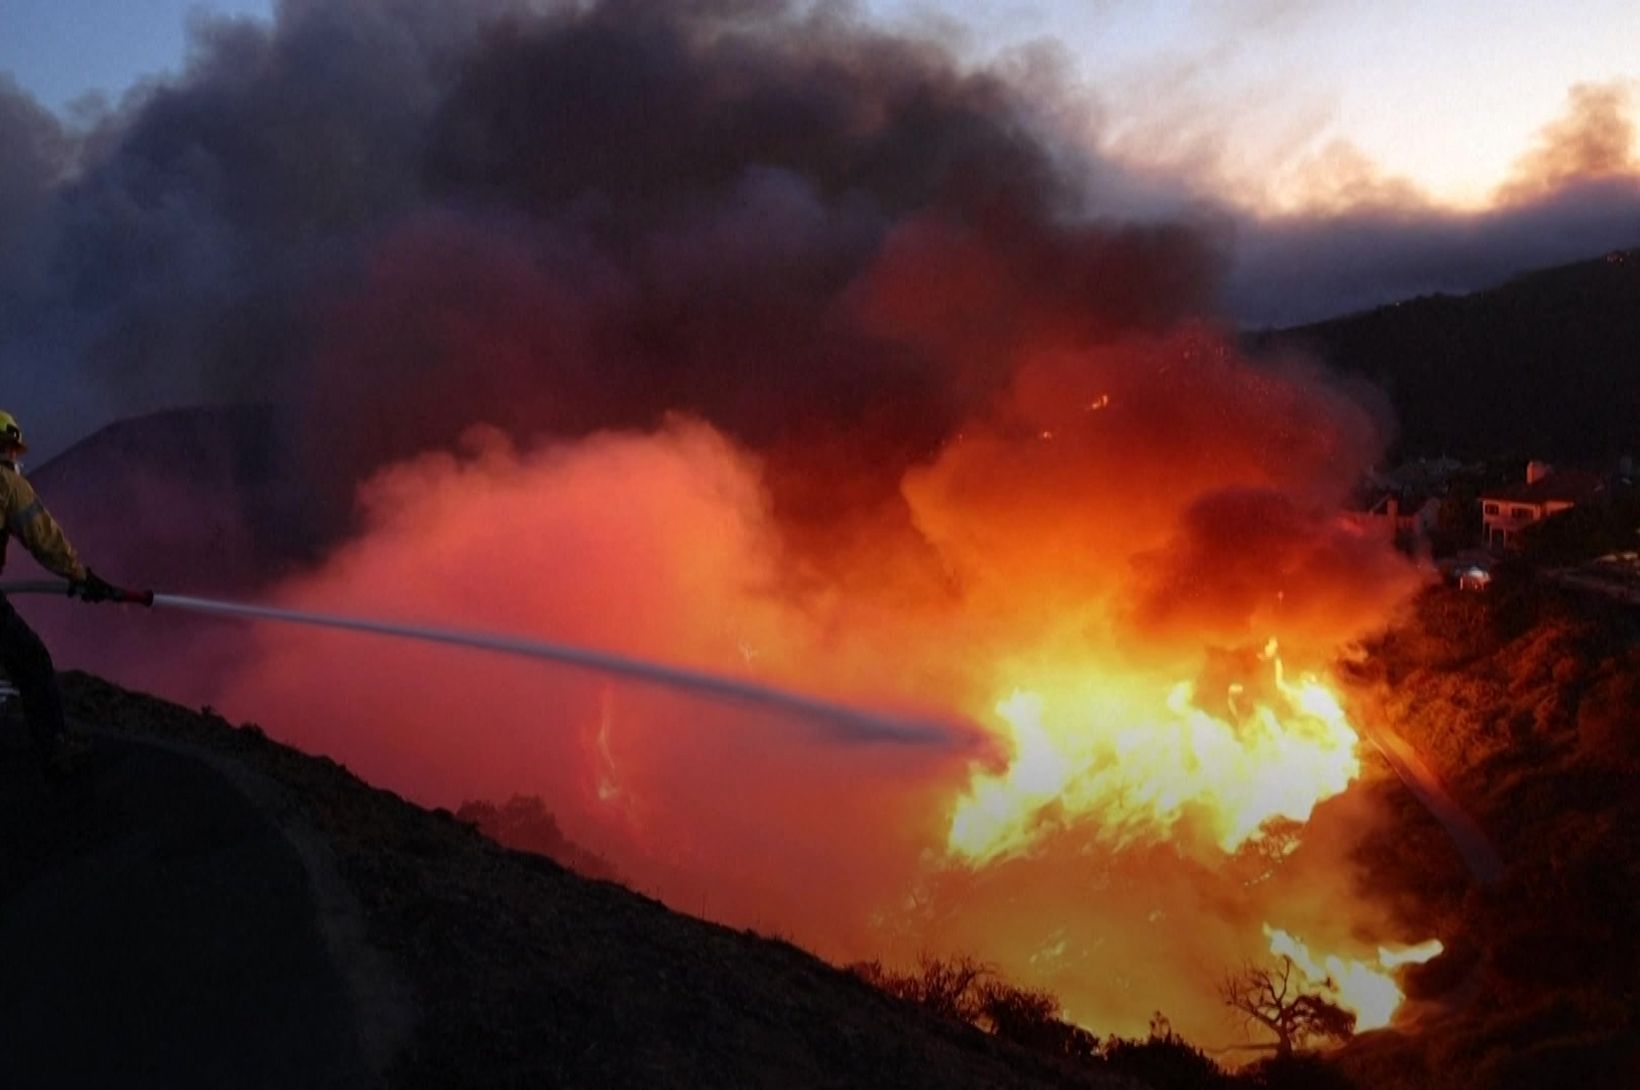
[[1595, 139], [740, 336]]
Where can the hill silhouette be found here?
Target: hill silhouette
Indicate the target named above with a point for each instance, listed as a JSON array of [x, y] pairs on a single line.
[[1545, 364], [205, 907]]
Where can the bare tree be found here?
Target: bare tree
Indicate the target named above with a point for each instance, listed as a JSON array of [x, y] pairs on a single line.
[[1274, 998]]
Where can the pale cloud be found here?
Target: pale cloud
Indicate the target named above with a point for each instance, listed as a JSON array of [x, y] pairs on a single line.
[[1594, 138]]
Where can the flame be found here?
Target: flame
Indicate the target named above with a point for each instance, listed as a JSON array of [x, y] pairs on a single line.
[[1410, 955], [606, 774], [1137, 757], [1366, 988]]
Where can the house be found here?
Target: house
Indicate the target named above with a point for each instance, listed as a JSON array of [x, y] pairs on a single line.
[[1506, 511]]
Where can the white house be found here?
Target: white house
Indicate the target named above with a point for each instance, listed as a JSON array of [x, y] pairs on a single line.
[[1506, 511]]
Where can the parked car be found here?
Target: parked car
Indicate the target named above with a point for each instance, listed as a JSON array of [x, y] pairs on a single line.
[[1474, 577]]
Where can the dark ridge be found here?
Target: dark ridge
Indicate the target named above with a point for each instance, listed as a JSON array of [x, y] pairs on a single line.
[[197, 497], [1546, 364]]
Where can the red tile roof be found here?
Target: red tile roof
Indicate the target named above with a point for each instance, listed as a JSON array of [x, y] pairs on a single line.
[[1563, 486]]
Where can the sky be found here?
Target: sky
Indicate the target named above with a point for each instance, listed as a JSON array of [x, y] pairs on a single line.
[[61, 50], [1444, 93], [1264, 102]]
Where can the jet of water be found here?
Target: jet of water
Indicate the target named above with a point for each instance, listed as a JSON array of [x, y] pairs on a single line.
[[840, 720]]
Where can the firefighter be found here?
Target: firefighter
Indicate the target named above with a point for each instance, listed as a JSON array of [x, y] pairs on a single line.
[[23, 656]]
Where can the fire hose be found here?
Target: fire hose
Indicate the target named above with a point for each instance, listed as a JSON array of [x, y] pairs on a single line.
[[853, 723]]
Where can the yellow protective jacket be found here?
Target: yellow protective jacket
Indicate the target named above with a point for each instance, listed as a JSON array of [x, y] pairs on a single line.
[[22, 514]]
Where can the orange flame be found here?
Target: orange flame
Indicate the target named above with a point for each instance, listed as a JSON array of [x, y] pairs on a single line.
[[1367, 988], [1136, 756]]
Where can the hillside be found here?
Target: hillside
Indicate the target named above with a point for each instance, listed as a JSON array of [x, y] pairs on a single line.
[[1524, 701], [206, 907], [1546, 364], [196, 496]]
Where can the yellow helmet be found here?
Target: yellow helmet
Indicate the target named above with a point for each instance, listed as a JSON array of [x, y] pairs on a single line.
[[11, 433]]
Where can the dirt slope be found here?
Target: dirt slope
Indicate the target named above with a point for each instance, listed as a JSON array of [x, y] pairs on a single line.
[[201, 858], [157, 931]]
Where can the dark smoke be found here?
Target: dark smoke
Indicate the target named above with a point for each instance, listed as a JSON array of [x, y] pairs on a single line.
[[401, 220], [767, 225]]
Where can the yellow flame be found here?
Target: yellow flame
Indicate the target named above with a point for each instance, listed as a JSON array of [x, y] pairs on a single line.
[[1409, 955], [1366, 988], [1136, 758], [608, 775]]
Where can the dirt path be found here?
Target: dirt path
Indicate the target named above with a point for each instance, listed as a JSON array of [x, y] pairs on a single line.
[[1467, 836], [160, 928]]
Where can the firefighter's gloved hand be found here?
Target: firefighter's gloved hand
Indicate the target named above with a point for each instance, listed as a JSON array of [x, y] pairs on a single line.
[[93, 588]]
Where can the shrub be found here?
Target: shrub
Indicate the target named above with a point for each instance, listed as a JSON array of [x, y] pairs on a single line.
[[1164, 1061]]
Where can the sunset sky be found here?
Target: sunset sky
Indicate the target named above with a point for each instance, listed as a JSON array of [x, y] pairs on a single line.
[[1273, 104]]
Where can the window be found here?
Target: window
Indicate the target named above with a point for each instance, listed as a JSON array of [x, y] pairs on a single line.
[[1491, 508], [1522, 513]]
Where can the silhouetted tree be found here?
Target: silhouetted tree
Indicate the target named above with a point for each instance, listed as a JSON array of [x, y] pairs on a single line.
[[971, 991], [1272, 997], [949, 987], [524, 824], [1031, 1019]]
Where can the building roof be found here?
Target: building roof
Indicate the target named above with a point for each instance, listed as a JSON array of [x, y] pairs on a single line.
[[1562, 486]]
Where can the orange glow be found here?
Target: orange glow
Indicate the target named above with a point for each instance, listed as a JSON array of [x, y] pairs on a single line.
[[1367, 988], [1106, 605]]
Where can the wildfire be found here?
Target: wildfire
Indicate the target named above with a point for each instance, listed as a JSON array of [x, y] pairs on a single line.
[[1137, 757], [1366, 988]]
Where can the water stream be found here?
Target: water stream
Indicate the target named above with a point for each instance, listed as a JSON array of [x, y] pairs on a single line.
[[838, 720]]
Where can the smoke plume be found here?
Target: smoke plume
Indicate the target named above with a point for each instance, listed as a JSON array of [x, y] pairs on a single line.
[[1595, 139]]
